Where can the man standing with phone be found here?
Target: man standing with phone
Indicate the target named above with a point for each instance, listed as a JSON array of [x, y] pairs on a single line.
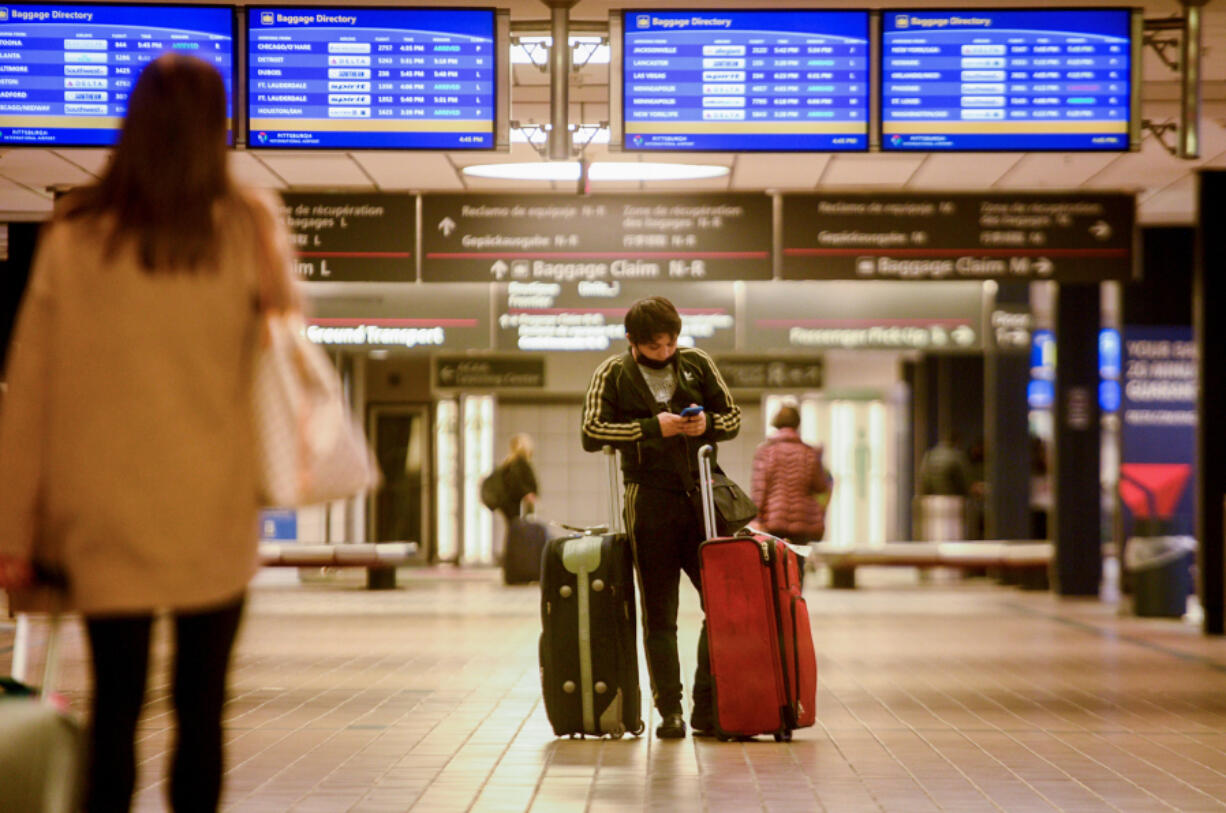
[[657, 404]]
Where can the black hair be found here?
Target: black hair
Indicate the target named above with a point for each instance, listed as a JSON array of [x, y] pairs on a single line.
[[650, 317]]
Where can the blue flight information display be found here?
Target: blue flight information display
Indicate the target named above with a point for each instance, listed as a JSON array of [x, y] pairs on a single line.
[[66, 71], [721, 80], [978, 79], [348, 77]]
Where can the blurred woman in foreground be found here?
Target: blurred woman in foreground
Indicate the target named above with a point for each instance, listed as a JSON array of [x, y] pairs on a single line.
[[126, 438]]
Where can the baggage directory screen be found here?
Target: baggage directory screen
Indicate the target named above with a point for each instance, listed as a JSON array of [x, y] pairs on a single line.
[[66, 70], [352, 78], [745, 80], [978, 79]]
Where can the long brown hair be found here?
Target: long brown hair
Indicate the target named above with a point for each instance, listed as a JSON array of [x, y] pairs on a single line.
[[168, 169]]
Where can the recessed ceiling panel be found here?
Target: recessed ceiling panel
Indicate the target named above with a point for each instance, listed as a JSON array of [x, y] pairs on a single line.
[[41, 168], [778, 171], [16, 198], [979, 171], [427, 170], [870, 170], [317, 170], [247, 169], [1051, 170]]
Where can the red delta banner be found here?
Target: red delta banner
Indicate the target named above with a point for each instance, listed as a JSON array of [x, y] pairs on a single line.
[[1158, 434]]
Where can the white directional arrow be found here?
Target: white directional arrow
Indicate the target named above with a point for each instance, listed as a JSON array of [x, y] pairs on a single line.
[[499, 269], [963, 335], [1101, 230], [446, 226]]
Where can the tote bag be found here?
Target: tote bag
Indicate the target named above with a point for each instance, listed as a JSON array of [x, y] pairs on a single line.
[[310, 449]]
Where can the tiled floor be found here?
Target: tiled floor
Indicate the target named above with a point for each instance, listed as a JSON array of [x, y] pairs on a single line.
[[935, 696]]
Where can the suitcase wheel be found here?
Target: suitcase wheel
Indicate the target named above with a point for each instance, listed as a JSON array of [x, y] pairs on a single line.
[[783, 736], [638, 732]]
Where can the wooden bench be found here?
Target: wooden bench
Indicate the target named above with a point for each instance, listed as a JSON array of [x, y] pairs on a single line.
[[379, 558], [1024, 562]]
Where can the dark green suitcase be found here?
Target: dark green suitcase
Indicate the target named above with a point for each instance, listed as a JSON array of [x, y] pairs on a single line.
[[589, 646]]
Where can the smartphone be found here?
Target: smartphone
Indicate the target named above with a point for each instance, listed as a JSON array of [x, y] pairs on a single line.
[[690, 411]]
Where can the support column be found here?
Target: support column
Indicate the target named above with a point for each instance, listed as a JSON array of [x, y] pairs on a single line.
[[1208, 304], [559, 79], [1006, 431], [1076, 511]]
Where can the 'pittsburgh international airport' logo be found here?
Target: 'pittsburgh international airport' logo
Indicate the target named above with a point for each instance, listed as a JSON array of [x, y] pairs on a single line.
[[261, 137], [896, 139], [637, 140], [642, 21], [4, 15], [267, 18]]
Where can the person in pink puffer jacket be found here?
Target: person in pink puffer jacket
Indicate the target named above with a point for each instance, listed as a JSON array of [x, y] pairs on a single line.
[[790, 484]]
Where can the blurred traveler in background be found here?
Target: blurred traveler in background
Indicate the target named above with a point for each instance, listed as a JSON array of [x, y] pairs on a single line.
[[791, 487], [518, 479], [944, 484], [1040, 489], [127, 439]]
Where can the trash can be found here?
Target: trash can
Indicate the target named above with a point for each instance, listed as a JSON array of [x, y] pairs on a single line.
[[1161, 570]]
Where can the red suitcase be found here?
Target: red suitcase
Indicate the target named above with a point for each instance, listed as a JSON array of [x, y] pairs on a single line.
[[763, 664]]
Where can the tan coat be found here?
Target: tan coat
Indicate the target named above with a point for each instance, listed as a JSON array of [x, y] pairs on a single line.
[[126, 436]]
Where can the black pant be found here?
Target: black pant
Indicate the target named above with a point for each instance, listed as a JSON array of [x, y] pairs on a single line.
[[120, 649], [665, 532]]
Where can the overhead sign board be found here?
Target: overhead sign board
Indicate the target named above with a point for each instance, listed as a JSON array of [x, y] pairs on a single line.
[[475, 372], [590, 315], [343, 237], [435, 317], [596, 238], [771, 373], [953, 236], [862, 316]]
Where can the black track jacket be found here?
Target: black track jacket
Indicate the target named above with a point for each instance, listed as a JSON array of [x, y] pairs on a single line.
[[619, 410]]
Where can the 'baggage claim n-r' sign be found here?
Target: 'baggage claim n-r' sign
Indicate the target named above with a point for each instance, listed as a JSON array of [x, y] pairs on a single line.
[[595, 238]]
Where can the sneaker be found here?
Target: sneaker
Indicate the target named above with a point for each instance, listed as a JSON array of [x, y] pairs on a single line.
[[671, 727]]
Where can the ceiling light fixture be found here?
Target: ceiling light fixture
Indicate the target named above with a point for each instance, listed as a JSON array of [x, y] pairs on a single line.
[[598, 171]]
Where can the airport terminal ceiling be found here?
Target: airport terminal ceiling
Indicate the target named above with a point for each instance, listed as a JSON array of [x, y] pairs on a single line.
[[1164, 184]]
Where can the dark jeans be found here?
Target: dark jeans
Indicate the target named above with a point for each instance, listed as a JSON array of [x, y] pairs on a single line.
[[665, 532], [119, 646]]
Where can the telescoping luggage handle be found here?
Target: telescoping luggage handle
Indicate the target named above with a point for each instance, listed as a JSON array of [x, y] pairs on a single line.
[[706, 489], [615, 492]]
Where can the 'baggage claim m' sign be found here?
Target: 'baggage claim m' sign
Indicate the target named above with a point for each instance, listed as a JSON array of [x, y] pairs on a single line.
[[950, 236]]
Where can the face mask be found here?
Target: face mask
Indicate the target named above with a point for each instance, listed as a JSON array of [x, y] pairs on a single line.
[[652, 363]]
